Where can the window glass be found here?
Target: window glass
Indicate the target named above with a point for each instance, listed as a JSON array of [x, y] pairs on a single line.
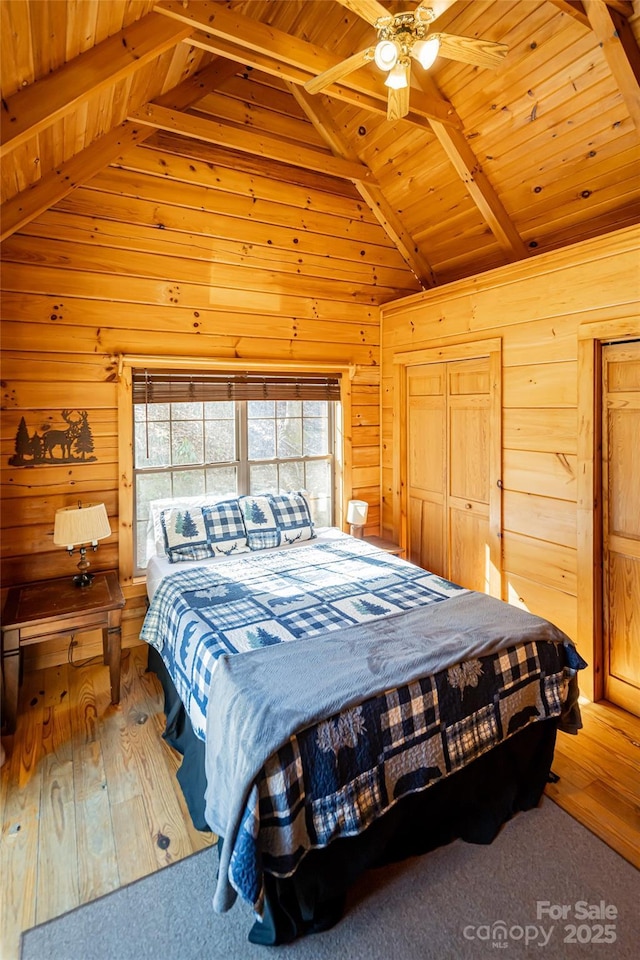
[[186, 411], [288, 408], [154, 411], [188, 483], [220, 441], [153, 444], [262, 439], [220, 410], [221, 481], [263, 478], [291, 475], [260, 408], [316, 435], [187, 441], [289, 437]]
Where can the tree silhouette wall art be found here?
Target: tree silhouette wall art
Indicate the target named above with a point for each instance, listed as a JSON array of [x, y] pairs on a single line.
[[72, 443]]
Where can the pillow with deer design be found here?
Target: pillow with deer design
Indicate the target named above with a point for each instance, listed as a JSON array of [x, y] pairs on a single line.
[[198, 533], [292, 516], [226, 533]]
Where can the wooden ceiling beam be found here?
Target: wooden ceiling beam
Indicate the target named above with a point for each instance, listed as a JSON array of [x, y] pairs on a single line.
[[470, 171], [214, 155], [37, 106], [371, 194], [249, 141], [422, 108], [614, 33], [576, 9], [624, 7], [249, 59], [370, 10], [58, 183], [272, 51]]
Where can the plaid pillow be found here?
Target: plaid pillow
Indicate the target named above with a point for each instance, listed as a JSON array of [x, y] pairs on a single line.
[[185, 535], [226, 533], [260, 522], [293, 517]]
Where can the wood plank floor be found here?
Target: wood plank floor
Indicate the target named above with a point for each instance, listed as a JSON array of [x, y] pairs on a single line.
[[89, 799]]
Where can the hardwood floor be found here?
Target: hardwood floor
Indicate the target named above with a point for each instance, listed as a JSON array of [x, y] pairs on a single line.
[[89, 799], [599, 773], [88, 794]]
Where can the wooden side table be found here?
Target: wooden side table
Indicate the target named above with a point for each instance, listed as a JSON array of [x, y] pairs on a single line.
[[37, 611], [387, 545]]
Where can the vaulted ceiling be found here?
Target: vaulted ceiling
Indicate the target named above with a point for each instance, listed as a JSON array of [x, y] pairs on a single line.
[[193, 117]]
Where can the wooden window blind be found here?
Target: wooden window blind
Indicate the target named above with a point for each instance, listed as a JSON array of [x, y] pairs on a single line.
[[185, 386]]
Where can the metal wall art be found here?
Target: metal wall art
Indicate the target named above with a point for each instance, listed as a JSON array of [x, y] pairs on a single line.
[[72, 443]]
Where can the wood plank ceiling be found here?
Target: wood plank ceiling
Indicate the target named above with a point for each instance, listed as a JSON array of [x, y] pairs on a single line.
[[191, 117]]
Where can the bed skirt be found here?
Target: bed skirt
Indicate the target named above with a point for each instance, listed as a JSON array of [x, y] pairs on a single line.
[[471, 804]]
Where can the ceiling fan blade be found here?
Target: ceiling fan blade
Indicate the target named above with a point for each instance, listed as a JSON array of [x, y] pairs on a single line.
[[398, 103], [340, 70], [369, 10], [482, 53]]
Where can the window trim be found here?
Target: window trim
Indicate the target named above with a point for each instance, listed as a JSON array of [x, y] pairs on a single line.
[[126, 363]]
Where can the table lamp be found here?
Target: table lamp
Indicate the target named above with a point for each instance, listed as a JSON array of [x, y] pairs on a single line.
[[357, 511], [79, 527]]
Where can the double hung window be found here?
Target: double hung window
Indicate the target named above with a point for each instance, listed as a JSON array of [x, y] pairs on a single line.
[[200, 433]]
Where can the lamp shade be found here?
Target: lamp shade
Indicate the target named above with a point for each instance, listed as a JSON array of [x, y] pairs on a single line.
[[426, 51], [386, 54], [357, 511], [81, 524], [398, 76]]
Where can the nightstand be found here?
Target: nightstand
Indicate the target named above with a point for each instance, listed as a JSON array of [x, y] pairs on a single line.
[[387, 545], [38, 611]]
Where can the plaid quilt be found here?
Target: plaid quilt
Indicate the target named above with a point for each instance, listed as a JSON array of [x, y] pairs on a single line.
[[336, 777], [255, 600]]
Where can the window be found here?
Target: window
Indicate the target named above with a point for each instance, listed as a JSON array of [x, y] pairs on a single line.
[[202, 433]]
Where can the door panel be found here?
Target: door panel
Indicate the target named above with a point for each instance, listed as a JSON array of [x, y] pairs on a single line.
[[469, 559], [624, 468], [426, 456], [426, 540], [469, 448], [624, 622], [621, 523], [426, 418]]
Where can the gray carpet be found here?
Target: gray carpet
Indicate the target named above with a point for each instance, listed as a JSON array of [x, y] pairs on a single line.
[[447, 904]]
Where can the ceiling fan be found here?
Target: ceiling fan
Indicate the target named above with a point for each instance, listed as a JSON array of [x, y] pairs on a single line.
[[403, 36]]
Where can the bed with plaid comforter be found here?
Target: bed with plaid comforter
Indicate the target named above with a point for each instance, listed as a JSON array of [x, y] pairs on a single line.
[[260, 599], [336, 770]]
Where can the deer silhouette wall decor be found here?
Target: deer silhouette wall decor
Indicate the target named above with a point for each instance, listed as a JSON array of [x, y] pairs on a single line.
[[54, 446]]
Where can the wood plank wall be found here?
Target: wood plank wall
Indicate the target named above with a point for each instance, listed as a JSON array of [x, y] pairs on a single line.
[[106, 272], [536, 308]]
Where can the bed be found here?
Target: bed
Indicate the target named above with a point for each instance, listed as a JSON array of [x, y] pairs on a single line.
[[338, 707]]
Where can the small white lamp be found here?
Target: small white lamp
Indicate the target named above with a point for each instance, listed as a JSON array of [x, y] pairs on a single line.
[[357, 511], [77, 527]]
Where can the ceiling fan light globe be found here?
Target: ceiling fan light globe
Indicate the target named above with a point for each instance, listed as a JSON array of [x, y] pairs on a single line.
[[398, 77], [426, 51], [386, 54]]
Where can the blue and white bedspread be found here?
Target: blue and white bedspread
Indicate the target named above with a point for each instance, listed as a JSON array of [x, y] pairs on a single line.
[[350, 760], [259, 599]]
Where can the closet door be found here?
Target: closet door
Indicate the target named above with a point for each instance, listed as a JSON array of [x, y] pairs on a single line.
[[621, 523]]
